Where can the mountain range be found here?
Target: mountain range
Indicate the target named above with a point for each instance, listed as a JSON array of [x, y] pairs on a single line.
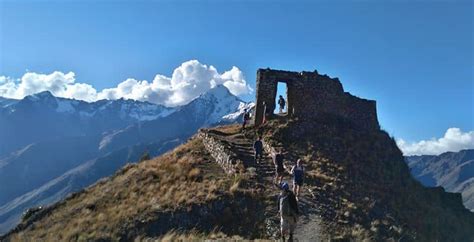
[[454, 171], [51, 146]]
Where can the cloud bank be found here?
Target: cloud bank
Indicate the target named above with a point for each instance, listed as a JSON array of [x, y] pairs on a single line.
[[453, 140], [187, 82]]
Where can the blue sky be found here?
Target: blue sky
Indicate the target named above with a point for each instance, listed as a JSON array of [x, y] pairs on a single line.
[[414, 57]]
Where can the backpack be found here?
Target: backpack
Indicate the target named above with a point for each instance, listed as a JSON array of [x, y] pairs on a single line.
[[289, 205], [246, 116]]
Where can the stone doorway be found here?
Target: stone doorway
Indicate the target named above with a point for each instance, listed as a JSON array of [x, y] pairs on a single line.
[[310, 94], [269, 86]]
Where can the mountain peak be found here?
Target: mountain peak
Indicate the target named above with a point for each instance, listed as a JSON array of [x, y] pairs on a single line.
[[40, 96], [220, 89], [44, 94], [219, 92]]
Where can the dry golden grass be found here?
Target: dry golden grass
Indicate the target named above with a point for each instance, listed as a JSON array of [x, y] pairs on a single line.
[[197, 236], [361, 177], [315, 174], [177, 179], [229, 129]]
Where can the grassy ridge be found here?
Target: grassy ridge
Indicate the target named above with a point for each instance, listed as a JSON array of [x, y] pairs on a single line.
[[139, 194], [362, 186]]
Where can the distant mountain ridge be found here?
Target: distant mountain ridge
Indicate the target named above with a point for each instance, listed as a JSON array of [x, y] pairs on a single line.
[[53, 146], [4, 102], [452, 170], [56, 117]]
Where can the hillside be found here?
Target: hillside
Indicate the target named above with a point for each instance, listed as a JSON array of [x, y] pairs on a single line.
[[363, 186], [182, 189], [454, 171], [58, 145], [358, 187]]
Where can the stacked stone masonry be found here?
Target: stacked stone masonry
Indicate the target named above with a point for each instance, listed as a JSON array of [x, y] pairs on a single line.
[[310, 94], [220, 151]]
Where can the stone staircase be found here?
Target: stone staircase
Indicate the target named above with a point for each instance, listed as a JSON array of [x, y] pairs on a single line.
[[239, 148]]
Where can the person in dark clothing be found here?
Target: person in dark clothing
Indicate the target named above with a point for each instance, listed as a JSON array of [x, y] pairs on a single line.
[[258, 148], [282, 103], [279, 166], [298, 174], [288, 209], [246, 118]]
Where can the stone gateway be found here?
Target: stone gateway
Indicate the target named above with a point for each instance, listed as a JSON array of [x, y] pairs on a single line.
[[310, 94]]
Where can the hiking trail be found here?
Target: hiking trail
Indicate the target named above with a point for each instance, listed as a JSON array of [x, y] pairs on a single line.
[[309, 222]]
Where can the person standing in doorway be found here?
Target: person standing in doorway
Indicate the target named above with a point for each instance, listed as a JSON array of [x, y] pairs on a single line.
[[282, 103]]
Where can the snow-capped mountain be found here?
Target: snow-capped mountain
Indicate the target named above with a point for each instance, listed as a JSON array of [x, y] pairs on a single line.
[[42, 117], [50, 146], [123, 108], [217, 106], [220, 104]]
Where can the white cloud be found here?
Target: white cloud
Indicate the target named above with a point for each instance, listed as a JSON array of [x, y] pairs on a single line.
[[30, 83], [453, 140], [81, 91], [187, 82]]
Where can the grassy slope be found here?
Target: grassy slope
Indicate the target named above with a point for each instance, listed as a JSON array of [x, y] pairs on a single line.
[[363, 187], [139, 195]]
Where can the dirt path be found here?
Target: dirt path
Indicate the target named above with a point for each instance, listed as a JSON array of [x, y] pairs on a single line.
[[309, 224], [308, 227]]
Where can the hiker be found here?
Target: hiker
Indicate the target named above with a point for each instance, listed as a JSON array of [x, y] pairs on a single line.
[[281, 102], [288, 208], [279, 167], [246, 118], [298, 174], [258, 148]]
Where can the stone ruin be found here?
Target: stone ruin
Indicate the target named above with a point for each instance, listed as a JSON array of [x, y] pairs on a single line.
[[310, 94]]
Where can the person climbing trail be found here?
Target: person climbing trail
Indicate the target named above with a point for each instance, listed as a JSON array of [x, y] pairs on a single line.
[[288, 209], [298, 175], [258, 149], [282, 103], [279, 166], [246, 118]]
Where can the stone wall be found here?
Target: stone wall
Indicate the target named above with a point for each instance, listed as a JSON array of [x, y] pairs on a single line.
[[309, 94], [220, 151]]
